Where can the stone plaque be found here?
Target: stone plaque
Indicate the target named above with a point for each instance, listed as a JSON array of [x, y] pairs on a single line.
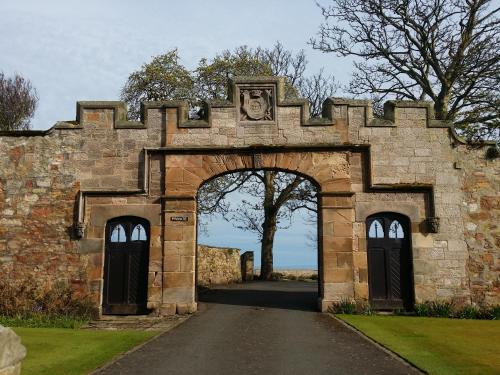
[[179, 218], [257, 104]]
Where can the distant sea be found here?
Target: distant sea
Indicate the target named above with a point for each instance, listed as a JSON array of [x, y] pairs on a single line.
[[294, 267]]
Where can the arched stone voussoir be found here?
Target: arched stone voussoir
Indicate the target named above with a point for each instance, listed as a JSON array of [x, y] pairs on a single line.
[[295, 161], [328, 170], [305, 164], [199, 174], [181, 189], [194, 176], [269, 160], [233, 162], [212, 167]]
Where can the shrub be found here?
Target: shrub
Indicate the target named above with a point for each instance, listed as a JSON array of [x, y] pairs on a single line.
[[308, 277], [428, 309], [487, 312], [28, 304], [468, 312], [449, 310], [277, 276], [433, 308], [42, 320], [423, 309], [366, 309], [345, 306], [494, 312]]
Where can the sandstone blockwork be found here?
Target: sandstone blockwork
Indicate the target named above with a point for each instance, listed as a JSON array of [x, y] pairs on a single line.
[[60, 188]]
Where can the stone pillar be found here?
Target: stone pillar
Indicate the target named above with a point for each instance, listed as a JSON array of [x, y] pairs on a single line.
[[247, 266], [336, 258], [360, 262], [179, 256], [12, 352], [155, 268]]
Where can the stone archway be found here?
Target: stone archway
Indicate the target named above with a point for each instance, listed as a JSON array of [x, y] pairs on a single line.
[[186, 170]]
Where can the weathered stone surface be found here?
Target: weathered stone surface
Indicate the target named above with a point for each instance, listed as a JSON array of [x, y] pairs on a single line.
[[247, 266], [12, 352], [480, 209], [101, 167], [218, 265]]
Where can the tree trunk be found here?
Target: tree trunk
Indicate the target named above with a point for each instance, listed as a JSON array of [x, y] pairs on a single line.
[[441, 106], [268, 227], [266, 263]]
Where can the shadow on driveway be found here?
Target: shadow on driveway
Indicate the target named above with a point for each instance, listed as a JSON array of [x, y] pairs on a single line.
[[259, 328], [289, 295]]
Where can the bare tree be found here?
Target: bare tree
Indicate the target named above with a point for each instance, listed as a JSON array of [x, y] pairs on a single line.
[[18, 101], [316, 89], [274, 198], [284, 63], [442, 50]]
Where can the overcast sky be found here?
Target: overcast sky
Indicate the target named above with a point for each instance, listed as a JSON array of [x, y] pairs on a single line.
[[85, 50]]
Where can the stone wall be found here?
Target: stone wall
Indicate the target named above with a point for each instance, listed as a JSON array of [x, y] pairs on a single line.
[[38, 189], [79, 174], [218, 265], [480, 184], [86, 171], [410, 148]]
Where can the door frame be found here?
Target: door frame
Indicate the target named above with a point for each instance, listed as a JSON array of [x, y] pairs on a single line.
[[408, 295], [129, 222]]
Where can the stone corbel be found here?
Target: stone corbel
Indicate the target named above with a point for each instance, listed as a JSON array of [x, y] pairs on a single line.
[[432, 224], [80, 229]]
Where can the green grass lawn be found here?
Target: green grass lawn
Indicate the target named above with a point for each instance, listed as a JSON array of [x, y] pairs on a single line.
[[437, 345], [59, 351]]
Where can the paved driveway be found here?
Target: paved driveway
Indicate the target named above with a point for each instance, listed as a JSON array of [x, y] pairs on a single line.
[[259, 328]]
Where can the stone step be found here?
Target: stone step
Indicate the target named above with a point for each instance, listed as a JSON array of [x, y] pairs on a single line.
[[136, 322]]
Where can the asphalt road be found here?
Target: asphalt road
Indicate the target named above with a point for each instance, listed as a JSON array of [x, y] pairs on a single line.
[[259, 328]]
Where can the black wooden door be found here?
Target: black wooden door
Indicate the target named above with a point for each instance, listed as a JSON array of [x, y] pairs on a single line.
[[126, 266], [390, 275]]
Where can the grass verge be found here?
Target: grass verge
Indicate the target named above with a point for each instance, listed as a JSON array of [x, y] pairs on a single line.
[[58, 351], [436, 345], [42, 321]]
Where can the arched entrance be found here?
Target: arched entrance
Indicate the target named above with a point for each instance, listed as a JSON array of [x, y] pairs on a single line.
[[126, 266], [186, 170], [390, 276], [262, 203]]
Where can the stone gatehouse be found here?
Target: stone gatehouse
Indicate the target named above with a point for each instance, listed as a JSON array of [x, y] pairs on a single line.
[[407, 211]]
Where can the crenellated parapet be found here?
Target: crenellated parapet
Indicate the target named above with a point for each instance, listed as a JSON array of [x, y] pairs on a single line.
[[389, 118], [256, 106]]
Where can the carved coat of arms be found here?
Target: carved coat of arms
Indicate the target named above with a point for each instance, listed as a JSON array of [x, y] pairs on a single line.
[[256, 105]]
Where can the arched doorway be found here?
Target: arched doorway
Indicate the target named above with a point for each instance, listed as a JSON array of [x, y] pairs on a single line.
[[390, 274], [262, 207], [187, 169], [126, 266]]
